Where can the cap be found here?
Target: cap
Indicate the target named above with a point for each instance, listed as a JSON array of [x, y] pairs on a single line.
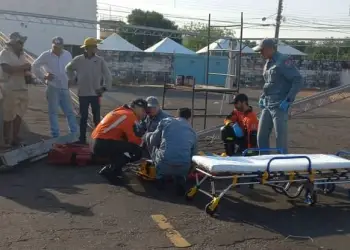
[[152, 102], [240, 98], [142, 103], [16, 37], [91, 41], [58, 41], [265, 43]]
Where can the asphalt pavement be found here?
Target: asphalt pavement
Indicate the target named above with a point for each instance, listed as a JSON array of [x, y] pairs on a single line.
[[48, 207]]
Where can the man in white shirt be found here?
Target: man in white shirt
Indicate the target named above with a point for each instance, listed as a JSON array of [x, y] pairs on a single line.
[[53, 63], [15, 68]]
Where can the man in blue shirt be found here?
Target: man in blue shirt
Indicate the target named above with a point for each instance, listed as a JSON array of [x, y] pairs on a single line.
[[172, 146], [282, 83], [154, 114]]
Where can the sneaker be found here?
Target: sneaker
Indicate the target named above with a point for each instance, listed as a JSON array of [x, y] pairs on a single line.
[[108, 173]]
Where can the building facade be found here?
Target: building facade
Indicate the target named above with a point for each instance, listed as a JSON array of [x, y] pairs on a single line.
[[36, 19]]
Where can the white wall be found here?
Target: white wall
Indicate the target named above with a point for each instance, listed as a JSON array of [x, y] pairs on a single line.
[[40, 35]]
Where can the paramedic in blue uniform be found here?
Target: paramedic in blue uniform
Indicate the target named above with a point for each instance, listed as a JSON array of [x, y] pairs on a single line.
[[282, 83]]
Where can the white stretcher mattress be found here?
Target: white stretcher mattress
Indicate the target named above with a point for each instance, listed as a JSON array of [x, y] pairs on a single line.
[[250, 164]]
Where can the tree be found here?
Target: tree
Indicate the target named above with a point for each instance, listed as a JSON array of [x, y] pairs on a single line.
[[319, 50], [149, 19], [200, 39]]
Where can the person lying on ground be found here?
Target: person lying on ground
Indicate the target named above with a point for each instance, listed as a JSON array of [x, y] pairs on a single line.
[[240, 130], [118, 138], [154, 115], [172, 146]]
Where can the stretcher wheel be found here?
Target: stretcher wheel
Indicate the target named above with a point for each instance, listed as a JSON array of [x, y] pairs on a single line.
[[191, 193], [212, 207]]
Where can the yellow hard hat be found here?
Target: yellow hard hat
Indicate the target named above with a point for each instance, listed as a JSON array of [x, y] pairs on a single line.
[[90, 41]]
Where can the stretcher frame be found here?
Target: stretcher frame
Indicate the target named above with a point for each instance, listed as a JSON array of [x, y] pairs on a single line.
[[280, 182]]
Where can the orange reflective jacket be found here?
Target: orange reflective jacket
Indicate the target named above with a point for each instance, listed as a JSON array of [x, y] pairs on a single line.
[[119, 124], [248, 121]]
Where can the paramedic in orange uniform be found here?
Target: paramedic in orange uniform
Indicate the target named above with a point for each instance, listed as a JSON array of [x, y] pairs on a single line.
[[240, 129], [118, 137]]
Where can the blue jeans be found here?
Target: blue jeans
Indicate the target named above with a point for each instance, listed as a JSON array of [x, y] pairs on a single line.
[[60, 98], [273, 118]]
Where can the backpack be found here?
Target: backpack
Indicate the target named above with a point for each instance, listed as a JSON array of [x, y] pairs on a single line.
[[72, 154]]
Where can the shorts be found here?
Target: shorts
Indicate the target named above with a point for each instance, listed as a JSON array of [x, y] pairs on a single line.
[[15, 103]]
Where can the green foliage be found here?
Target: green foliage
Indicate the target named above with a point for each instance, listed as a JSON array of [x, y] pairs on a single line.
[[200, 39], [148, 19], [321, 50]]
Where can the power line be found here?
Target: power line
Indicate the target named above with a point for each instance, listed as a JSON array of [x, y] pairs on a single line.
[[91, 24]]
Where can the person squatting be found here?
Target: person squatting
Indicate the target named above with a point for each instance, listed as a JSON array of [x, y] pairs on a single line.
[[240, 127], [119, 137]]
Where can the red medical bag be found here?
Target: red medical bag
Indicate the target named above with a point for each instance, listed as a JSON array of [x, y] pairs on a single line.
[[72, 154]]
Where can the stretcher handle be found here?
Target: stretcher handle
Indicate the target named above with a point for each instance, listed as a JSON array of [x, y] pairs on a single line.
[[309, 168], [342, 152], [259, 150]]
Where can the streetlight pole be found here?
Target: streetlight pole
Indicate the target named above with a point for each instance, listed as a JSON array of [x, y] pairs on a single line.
[[278, 19]]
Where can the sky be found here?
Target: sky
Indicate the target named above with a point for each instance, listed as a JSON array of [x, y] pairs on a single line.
[[302, 18]]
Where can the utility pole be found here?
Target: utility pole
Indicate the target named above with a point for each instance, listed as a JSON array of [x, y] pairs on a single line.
[[278, 18]]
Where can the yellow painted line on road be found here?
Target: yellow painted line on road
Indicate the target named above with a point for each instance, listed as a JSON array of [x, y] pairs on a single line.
[[173, 235]]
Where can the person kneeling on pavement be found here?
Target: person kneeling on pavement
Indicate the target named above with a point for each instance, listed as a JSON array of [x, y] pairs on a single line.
[[172, 145], [240, 130], [154, 115], [118, 137]]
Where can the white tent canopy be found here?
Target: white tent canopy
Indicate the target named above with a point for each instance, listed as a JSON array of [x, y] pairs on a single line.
[[289, 50], [221, 44], [116, 42], [168, 45]]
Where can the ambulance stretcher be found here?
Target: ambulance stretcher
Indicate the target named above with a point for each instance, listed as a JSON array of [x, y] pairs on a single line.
[[278, 171]]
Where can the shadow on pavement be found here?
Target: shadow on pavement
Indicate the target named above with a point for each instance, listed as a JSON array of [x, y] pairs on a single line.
[[299, 220], [149, 190], [39, 187]]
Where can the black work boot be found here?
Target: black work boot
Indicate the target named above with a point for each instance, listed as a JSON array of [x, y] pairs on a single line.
[[109, 173]]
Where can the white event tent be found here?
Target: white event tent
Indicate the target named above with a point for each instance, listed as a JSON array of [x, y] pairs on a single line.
[[224, 44], [117, 43], [168, 45], [289, 50]]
